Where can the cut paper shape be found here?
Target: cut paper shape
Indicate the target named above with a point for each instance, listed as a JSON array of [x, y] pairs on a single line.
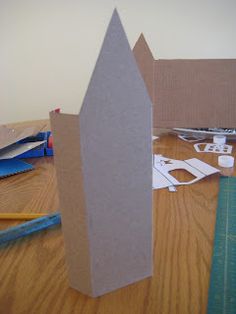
[[190, 139], [213, 148], [103, 160], [162, 167], [189, 93]]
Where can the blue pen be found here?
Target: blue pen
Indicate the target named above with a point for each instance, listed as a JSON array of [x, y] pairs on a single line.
[[29, 227]]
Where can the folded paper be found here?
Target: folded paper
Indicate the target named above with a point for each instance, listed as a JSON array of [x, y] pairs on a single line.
[[103, 160], [162, 167]]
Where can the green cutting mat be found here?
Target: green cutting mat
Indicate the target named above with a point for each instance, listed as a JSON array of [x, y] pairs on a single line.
[[222, 290]]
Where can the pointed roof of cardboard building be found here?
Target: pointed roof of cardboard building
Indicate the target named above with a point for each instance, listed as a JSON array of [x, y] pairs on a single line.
[[141, 47], [145, 62]]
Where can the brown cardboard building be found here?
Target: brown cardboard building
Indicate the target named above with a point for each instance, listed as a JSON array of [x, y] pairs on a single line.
[[189, 93]]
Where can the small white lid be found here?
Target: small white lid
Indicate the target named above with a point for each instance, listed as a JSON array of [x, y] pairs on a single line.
[[219, 139], [226, 161]]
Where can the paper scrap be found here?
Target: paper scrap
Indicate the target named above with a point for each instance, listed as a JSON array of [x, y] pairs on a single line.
[[162, 167], [190, 138], [213, 148]]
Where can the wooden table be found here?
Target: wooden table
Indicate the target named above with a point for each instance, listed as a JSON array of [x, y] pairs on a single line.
[[33, 276]]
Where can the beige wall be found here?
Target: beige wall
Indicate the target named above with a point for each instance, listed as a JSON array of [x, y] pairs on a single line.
[[48, 48]]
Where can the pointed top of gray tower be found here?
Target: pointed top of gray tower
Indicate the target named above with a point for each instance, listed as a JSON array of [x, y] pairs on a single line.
[[116, 75]]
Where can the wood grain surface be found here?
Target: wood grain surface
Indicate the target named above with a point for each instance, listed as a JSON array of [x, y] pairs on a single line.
[[33, 277]]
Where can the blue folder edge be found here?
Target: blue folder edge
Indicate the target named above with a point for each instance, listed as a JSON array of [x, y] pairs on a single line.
[[9, 167]]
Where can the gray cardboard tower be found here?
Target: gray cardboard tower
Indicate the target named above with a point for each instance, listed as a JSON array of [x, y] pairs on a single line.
[[103, 160]]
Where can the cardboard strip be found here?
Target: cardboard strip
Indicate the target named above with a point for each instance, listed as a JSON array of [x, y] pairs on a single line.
[[65, 129], [145, 62], [195, 93]]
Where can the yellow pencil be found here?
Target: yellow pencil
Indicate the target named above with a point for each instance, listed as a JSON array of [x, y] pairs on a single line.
[[21, 216]]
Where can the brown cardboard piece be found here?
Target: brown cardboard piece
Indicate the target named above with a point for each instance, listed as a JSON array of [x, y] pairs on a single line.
[[103, 159], [69, 170], [145, 63], [189, 93]]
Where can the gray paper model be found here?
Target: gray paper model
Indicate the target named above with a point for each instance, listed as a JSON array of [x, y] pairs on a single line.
[[104, 157]]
